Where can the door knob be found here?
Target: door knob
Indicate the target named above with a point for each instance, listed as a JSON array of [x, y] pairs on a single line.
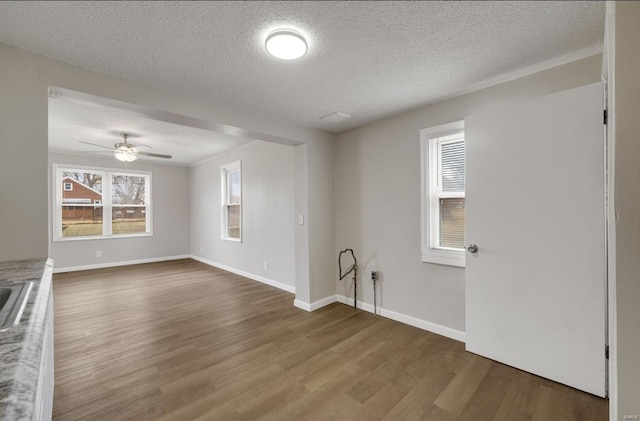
[[472, 248]]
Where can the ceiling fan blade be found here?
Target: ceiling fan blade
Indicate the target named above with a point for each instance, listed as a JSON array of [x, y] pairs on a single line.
[[95, 144], [155, 155]]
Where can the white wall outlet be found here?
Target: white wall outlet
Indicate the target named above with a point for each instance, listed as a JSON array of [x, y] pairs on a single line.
[[201, 249], [301, 219], [266, 265], [98, 253]]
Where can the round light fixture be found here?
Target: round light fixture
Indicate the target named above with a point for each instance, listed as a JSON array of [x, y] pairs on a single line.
[[286, 44]]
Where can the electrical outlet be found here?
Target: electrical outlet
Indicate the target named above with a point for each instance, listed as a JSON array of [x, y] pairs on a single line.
[[98, 253], [266, 265], [201, 249], [374, 275]]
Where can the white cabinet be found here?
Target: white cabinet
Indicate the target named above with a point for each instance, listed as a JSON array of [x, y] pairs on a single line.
[[44, 393]]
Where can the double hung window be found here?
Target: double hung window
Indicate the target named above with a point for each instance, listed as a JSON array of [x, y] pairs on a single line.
[[231, 176], [443, 194]]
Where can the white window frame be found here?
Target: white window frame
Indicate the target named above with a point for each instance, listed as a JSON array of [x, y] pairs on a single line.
[[224, 169], [431, 251], [107, 206], [70, 186]]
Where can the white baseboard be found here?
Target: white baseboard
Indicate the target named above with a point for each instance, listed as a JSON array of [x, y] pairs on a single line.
[[270, 282], [316, 304], [409, 320], [349, 301], [323, 302], [302, 304], [122, 263]]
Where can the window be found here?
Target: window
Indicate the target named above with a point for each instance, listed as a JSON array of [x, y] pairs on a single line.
[[129, 202], [102, 203], [443, 194], [68, 186], [231, 175]]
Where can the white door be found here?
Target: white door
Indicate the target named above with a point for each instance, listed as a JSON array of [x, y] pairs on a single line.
[[535, 289]]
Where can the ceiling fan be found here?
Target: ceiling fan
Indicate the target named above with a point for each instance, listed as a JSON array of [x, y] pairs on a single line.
[[128, 152]]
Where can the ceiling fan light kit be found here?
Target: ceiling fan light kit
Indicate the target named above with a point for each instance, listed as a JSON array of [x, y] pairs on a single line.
[[128, 152], [125, 156]]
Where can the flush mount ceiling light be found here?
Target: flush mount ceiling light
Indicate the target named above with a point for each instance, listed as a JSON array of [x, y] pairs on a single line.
[[286, 44]]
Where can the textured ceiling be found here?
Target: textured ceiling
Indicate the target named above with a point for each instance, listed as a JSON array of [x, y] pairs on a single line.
[[367, 59]]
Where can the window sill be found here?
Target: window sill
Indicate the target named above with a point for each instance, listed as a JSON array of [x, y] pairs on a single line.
[[234, 240], [444, 257], [102, 237]]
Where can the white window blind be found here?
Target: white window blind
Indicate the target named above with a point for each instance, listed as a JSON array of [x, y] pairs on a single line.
[[452, 164], [450, 186]]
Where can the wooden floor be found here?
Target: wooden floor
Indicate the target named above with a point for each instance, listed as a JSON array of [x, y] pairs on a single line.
[[183, 341]]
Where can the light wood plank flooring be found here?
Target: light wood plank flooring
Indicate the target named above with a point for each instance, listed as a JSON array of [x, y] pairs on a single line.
[[183, 341]]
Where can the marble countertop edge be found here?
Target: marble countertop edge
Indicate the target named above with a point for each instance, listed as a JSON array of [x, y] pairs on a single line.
[[21, 346]]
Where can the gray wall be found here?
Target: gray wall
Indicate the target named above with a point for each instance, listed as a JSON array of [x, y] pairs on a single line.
[[301, 184], [170, 201], [268, 213], [320, 208], [377, 210], [24, 82], [626, 78], [23, 157]]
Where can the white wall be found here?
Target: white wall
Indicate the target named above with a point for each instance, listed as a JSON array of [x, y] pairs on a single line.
[[268, 212], [170, 201], [626, 118], [377, 209]]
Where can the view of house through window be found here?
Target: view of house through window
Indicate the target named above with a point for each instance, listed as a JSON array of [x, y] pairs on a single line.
[[81, 215], [98, 203], [231, 201]]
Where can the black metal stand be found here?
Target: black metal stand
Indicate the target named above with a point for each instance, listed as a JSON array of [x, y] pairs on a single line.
[[353, 269]]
